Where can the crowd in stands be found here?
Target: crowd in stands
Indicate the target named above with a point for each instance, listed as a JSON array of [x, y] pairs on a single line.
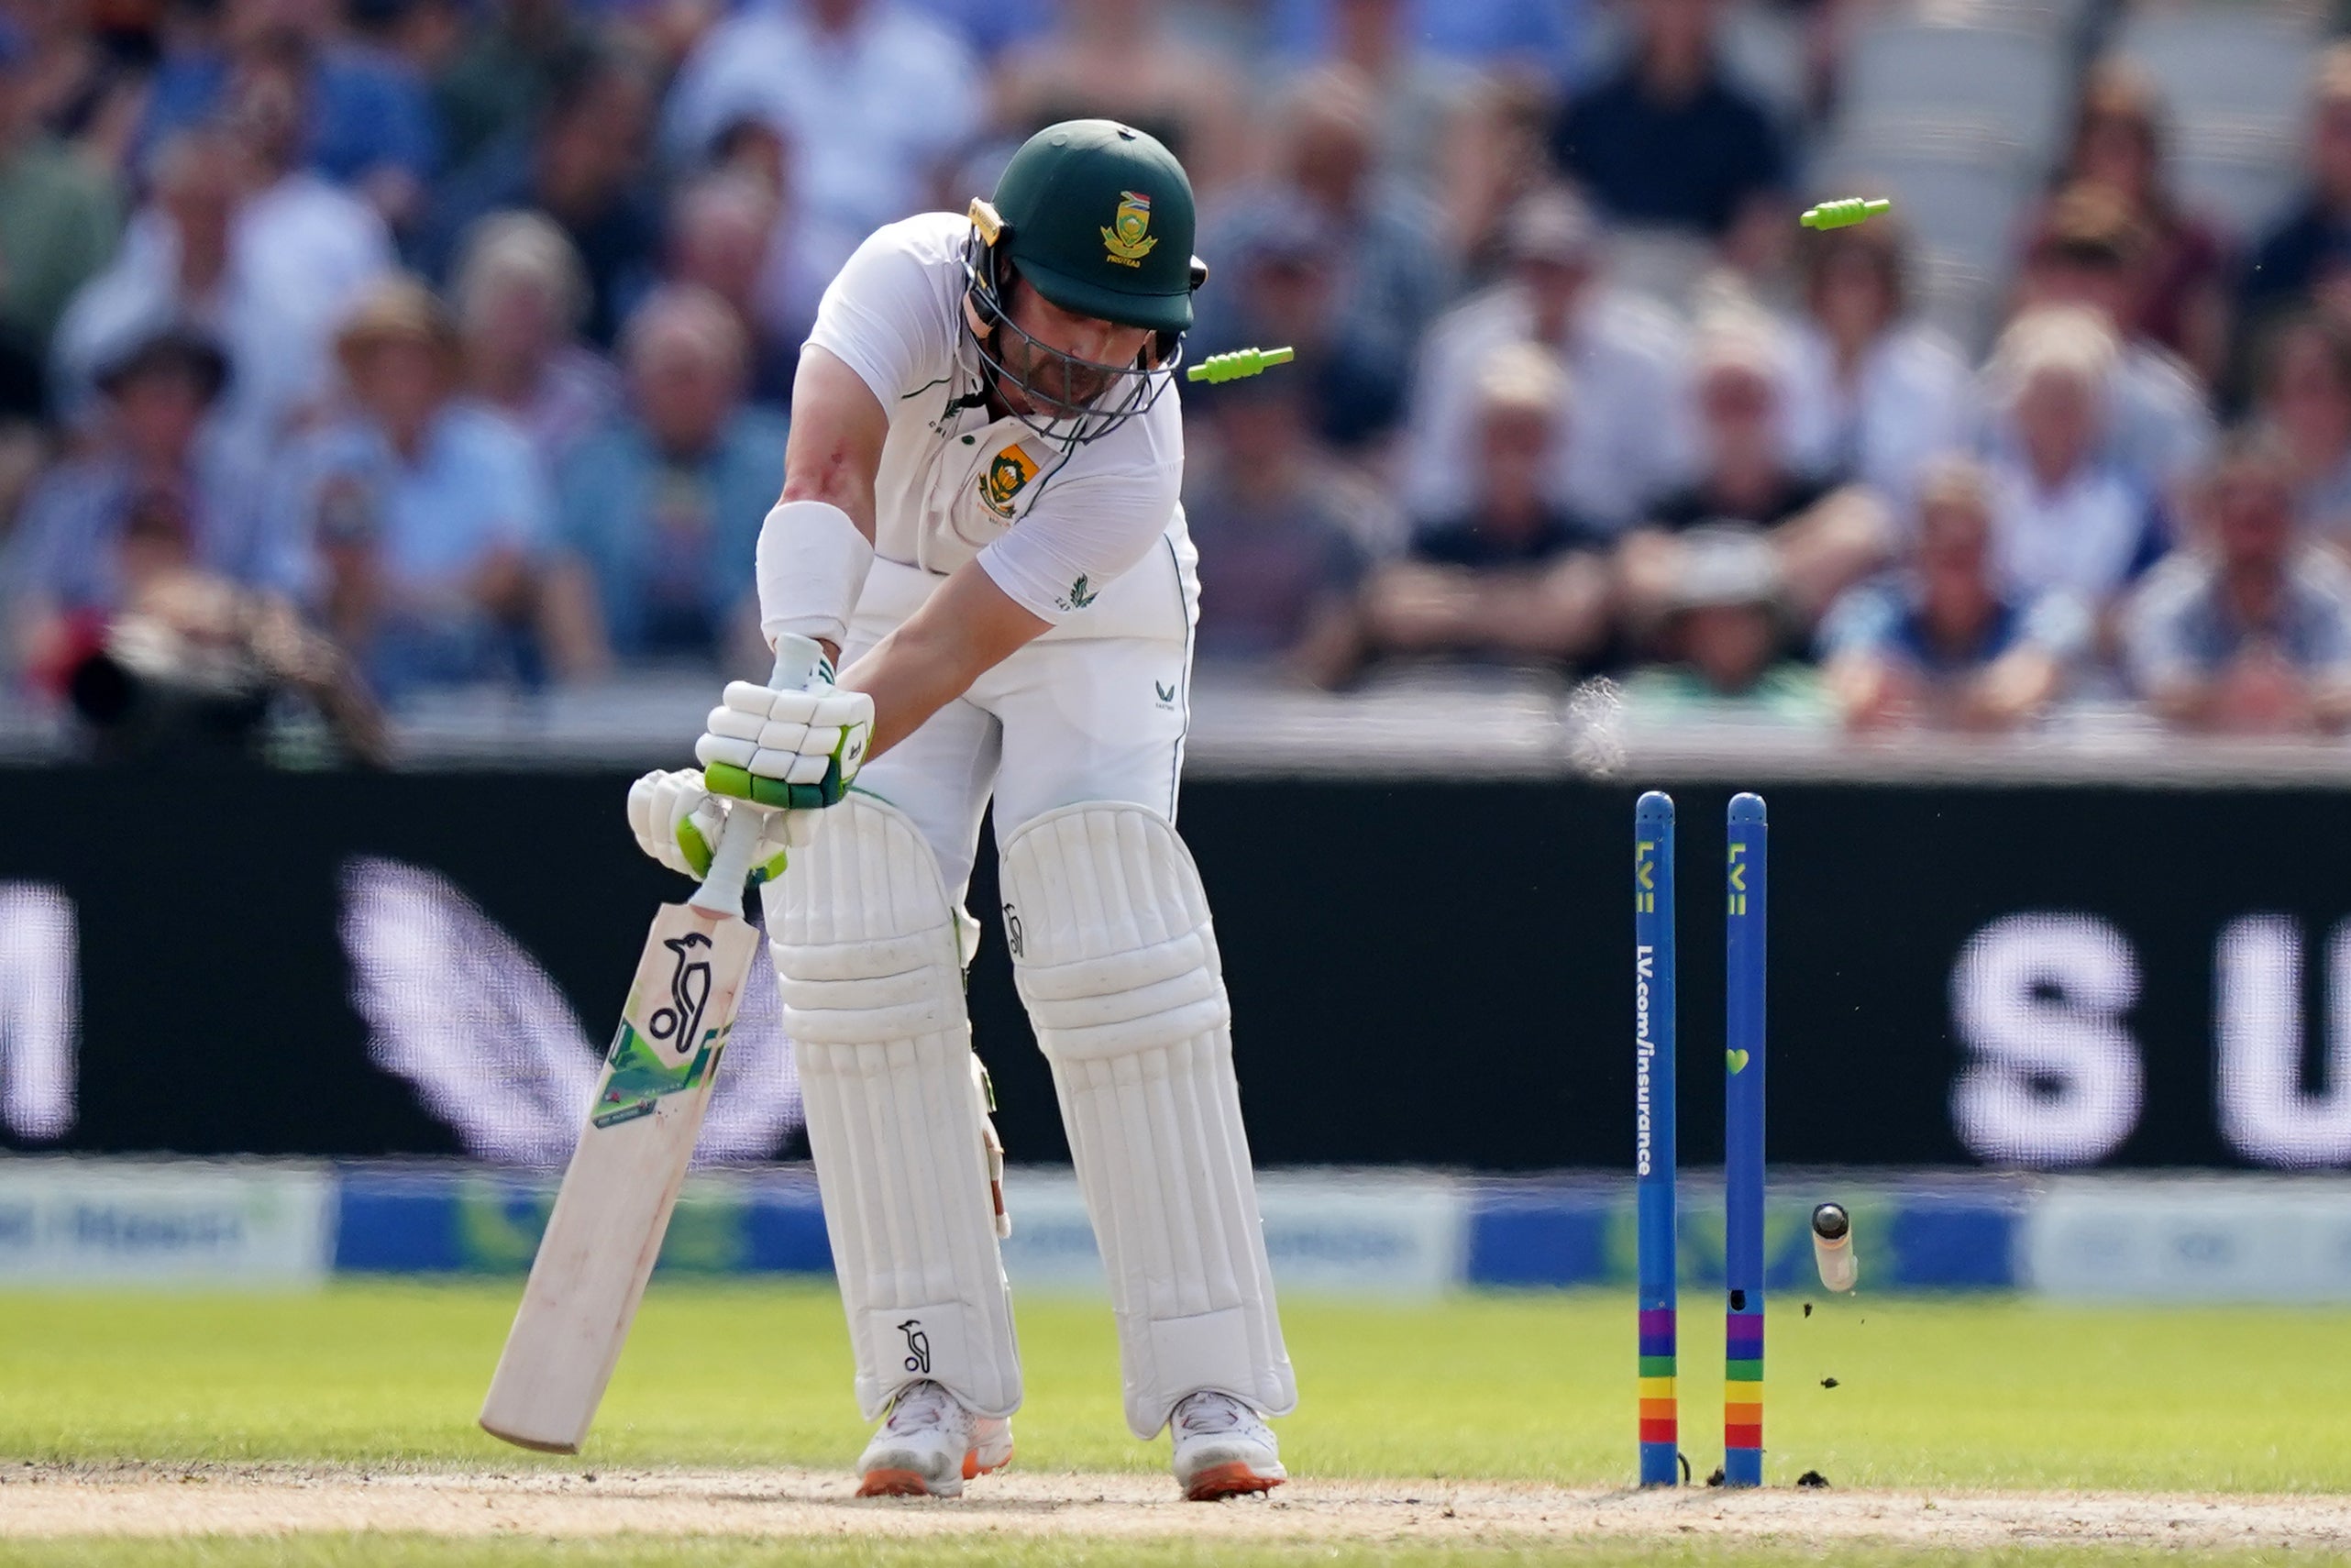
[[413, 344]]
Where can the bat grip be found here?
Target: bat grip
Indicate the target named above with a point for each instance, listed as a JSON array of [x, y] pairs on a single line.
[[738, 842]]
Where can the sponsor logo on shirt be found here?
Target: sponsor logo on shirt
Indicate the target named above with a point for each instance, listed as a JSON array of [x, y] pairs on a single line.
[[1006, 475], [1129, 239]]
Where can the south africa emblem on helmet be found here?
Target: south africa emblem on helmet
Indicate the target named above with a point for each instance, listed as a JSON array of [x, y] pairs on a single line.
[[1005, 474], [1129, 239]]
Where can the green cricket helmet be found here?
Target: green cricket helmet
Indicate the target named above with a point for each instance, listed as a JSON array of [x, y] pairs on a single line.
[[1097, 217]]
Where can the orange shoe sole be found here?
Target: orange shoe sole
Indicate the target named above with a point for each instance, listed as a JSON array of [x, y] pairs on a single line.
[[1221, 1481], [971, 1470], [893, 1484]]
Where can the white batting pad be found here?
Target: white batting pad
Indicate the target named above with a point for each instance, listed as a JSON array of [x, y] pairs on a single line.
[[1110, 940], [865, 951]]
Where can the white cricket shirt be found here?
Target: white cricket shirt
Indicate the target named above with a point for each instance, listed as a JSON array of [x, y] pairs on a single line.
[[1060, 530]]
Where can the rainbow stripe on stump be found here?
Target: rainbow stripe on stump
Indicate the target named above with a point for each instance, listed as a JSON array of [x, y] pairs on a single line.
[[1742, 1398], [1660, 1434]]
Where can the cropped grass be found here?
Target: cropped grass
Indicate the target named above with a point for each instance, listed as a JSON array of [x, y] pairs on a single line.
[[1929, 1393]]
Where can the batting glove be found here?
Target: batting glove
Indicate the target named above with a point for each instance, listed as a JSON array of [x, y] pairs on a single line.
[[785, 748], [677, 821]]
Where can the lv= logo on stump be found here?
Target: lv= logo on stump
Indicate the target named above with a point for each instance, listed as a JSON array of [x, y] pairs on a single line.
[[1746, 902]]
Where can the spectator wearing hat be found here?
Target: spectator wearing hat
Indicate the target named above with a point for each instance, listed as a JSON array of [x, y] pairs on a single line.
[[1287, 534], [1672, 139], [1872, 393], [1629, 359], [584, 162], [521, 295], [658, 514], [153, 461], [2066, 516], [1509, 575], [2087, 253], [1825, 533], [1725, 640], [2247, 631], [1361, 245], [1947, 644], [2308, 255], [57, 219], [427, 514]]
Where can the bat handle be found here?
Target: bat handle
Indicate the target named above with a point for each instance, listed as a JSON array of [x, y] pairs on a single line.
[[738, 842]]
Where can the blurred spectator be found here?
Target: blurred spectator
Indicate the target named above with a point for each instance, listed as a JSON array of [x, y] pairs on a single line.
[[583, 163], [428, 514], [2065, 517], [1510, 574], [1286, 535], [1536, 39], [1497, 157], [1122, 60], [1873, 393], [726, 236], [1333, 259], [57, 218], [520, 295], [2087, 254], [151, 459], [360, 117], [81, 84], [2303, 400], [2249, 634], [2178, 298], [265, 256], [1417, 96], [659, 514], [191, 664], [1670, 141], [871, 99], [515, 54], [2309, 254], [1824, 536], [1627, 357], [1947, 644], [1728, 633]]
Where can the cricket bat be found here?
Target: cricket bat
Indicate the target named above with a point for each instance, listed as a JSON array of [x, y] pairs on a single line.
[[614, 1207]]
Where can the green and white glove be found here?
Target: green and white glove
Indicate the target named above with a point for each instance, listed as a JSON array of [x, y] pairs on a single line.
[[677, 821], [785, 748]]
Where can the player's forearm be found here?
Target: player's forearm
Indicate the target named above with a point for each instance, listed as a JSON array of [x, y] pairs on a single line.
[[962, 632]]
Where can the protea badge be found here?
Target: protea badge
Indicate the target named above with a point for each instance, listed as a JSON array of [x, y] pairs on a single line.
[[1129, 239]]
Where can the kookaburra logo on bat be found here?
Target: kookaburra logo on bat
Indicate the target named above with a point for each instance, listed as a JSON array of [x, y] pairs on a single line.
[[679, 1025]]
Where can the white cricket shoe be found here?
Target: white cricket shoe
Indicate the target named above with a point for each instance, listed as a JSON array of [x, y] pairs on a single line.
[[930, 1444], [1222, 1449]]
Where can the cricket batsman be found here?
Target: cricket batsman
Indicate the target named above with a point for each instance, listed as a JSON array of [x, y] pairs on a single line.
[[981, 525]]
